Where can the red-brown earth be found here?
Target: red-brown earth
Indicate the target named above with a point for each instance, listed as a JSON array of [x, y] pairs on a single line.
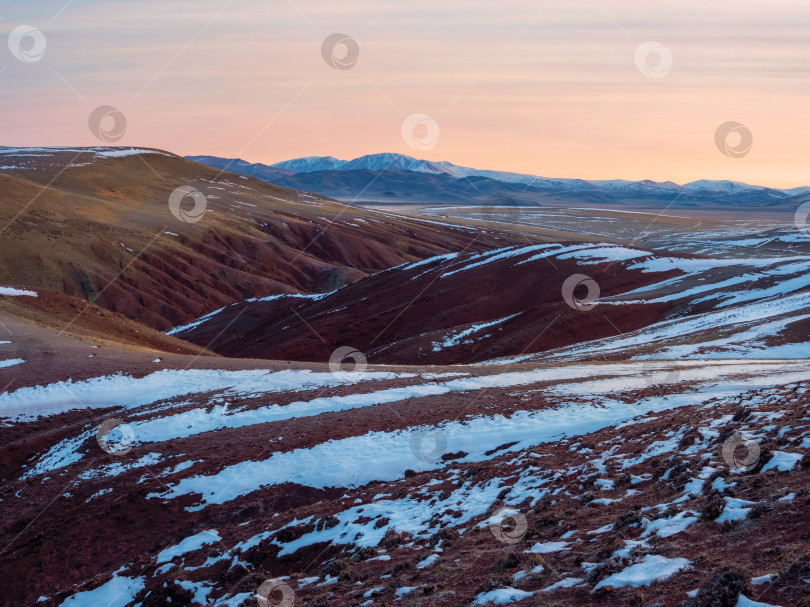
[[519, 300]]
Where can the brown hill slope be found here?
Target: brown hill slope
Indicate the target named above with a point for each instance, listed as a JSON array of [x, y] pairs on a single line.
[[32, 328], [95, 223]]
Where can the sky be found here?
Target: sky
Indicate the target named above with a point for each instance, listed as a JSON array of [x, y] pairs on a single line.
[[591, 89]]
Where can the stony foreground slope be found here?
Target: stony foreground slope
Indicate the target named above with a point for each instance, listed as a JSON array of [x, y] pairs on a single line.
[[450, 486]]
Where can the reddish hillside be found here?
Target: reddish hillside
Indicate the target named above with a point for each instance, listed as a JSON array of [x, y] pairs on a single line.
[[448, 310], [512, 302]]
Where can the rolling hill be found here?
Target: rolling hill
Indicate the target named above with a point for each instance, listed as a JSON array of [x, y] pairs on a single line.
[[510, 302], [95, 223]]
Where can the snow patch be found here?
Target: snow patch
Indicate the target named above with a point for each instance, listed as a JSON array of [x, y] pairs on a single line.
[[12, 292], [501, 596], [117, 592], [190, 544], [652, 568]]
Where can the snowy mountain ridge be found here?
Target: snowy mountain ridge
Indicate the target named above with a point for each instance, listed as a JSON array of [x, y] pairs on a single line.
[[393, 161]]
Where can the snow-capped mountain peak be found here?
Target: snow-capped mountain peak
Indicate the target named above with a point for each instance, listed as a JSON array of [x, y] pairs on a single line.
[[720, 186], [436, 180], [371, 162], [310, 164]]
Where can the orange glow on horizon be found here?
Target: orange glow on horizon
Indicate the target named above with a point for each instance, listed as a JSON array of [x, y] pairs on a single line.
[[548, 89]]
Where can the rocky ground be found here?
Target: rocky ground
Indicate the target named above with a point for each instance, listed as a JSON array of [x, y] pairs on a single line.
[[615, 483]]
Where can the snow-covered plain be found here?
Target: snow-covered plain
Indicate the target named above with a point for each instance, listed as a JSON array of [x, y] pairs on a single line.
[[128, 392], [384, 456], [131, 393], [582, 398]]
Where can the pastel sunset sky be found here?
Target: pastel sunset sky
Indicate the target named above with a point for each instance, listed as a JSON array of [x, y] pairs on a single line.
[[552, 88]]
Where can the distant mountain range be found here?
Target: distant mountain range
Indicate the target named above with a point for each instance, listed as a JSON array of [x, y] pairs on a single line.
[[398, 179]]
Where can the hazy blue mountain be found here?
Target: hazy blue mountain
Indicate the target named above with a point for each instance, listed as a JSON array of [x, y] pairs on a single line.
[[398, 178]]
